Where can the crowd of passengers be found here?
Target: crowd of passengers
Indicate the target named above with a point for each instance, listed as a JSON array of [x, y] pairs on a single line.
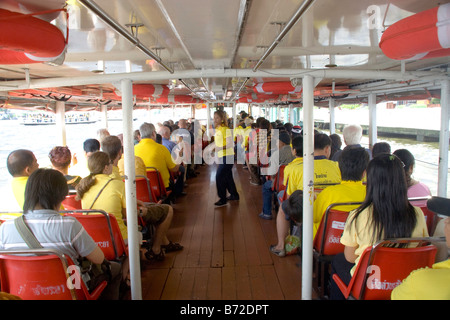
[[97, 179], [344, 171]]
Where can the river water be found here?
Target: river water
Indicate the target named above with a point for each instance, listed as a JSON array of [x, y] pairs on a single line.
[[41, 139]]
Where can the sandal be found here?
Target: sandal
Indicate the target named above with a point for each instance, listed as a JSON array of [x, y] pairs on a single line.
[[279, 253], [171, 247], [150, 255]]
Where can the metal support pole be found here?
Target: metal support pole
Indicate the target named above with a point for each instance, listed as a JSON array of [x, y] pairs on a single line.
[[443, 139], [104, 116], [308, 185], [372, 119], [331, 103], [60, 120], [130, 189]]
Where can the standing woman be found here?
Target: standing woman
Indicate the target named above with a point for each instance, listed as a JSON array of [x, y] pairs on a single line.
[[224, 144], [384, 213]]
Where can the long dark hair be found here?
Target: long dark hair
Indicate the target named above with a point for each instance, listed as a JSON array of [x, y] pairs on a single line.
[[392, 214], [46, 187]]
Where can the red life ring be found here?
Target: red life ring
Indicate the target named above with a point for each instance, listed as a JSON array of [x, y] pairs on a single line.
[[420, 36], [26, 39], [150, 90], [281, 87]]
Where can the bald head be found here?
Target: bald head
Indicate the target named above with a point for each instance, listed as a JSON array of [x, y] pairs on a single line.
[[21, 163]]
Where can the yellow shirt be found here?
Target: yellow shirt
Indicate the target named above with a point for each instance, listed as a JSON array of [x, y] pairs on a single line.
[[325, 172], [111, 199], [357, 234], [138, 163], [425, 284], [18, 186], [346, 191], [155, 155], [220, 139]]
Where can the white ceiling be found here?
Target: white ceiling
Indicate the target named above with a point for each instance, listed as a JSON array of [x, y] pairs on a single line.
[[213, 46]]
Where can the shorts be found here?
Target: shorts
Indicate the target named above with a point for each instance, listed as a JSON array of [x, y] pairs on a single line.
[[156, 213]]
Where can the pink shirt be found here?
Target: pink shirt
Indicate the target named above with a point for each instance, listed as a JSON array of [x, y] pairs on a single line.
[[419, 190]]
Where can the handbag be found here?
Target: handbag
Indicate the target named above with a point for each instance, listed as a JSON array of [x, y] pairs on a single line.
[[92, 274]]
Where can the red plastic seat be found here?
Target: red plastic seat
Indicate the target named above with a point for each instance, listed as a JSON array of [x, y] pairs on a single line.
[[157, 184], [143, 190], [327, 244], [381, 269], [70, 203], [104, 230], [43, 277], [277, 184], [430, 218]]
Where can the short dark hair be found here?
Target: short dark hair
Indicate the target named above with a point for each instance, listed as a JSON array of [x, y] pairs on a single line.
[[294, 207], [18, 161], [47, 187], [297, 145], [381, 147], [352, 163], [112, 146], [321, 140], [91, 145]]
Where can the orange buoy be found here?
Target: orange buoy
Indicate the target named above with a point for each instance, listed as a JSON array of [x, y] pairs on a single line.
[[421, 36], [26, 39], [279, 87], [150, 90]]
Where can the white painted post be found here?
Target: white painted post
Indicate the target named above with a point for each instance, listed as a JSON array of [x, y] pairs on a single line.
[[130, 189], [61, 121], [331, 104], [308, 186], [372, 119], [443, 139]]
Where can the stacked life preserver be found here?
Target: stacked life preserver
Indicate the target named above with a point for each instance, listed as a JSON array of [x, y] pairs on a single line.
[[26, 39], [420, 36]]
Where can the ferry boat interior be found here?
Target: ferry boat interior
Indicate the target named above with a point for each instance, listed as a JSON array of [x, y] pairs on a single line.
[[103, 55]]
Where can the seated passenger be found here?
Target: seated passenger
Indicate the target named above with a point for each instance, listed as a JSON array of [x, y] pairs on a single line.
[[139, 164], [21, 164], [428, 283], [112, 146], [156, 155], [352, 134], [285, 157], [44, 193], [100, 191], [380, 147], [385, 213], [352, 163], [60, 157], [325, 172], [416, 189], [79, 166]]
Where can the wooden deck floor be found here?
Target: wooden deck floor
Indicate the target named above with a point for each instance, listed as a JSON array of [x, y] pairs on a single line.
[[225, 255]]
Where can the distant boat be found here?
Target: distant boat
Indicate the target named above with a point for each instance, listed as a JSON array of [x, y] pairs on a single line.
[[43, 118]]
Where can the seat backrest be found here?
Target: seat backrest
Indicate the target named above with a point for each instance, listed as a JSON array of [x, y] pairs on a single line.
[[381, 269], [156, 183], [143, 190], [279, 179], [42, 277], [327, 239], [70, 203], [430, 219], [104, 230]]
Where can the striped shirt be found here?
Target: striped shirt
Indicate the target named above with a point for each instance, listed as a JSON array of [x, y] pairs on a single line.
[[53, 231]]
